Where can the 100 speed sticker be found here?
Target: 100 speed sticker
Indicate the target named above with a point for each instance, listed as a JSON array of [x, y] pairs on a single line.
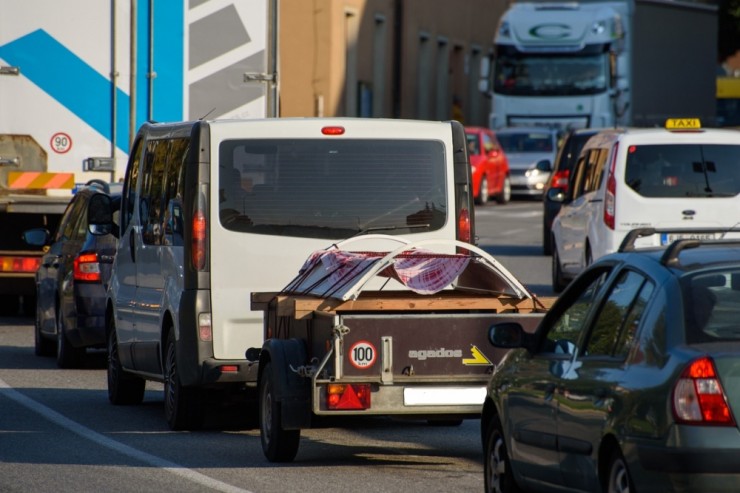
[[362, 355]]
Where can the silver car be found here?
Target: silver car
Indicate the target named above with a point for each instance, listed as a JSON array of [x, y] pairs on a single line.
[[531, 152]]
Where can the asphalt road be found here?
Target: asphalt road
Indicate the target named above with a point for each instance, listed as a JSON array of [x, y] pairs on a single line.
[[58, 433]]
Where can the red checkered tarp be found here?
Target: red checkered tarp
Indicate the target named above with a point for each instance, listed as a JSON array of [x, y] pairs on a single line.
[[422, 271]]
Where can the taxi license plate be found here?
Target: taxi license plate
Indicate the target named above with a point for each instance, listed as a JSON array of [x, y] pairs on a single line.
[[667, 238]]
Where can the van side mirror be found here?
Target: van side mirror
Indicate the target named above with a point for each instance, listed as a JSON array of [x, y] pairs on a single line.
[[100, 214]]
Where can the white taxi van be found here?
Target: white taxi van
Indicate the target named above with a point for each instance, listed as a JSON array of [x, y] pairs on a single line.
[[215, 210], [682, 179]]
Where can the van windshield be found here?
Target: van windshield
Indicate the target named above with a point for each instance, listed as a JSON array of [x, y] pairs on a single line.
[[684, 170], [332, 189]]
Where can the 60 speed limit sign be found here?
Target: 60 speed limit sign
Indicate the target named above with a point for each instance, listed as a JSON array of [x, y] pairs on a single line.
[[61, 142], [362, 355]]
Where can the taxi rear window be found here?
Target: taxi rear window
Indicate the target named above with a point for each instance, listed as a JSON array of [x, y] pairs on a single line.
[[685, 170], [333, 189]]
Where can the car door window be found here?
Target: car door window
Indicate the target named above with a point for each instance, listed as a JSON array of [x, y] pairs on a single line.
[[616, 322], [566, 329], [70, 227]]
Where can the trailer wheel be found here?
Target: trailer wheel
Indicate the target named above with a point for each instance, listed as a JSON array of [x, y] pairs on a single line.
[[278, 445], [183, 406], [123, 388]]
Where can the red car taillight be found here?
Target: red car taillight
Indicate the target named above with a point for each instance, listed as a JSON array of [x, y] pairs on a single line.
[[86, 267], [560, 179], [698, 397], [610, 199]]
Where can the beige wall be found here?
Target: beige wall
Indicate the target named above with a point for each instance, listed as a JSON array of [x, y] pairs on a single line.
[[323, 72]]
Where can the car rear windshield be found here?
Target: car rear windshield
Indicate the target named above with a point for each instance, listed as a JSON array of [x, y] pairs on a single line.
[[712, 305], [332, 188], [684, 170]]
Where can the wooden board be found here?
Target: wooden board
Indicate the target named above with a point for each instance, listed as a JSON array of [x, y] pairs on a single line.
[[300, 307]]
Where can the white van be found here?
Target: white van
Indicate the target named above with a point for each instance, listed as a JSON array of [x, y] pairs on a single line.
[[681, 178], [215, 210]]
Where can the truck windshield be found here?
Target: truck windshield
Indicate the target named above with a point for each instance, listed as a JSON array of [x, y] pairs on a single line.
[[332, 189], [519, 74]]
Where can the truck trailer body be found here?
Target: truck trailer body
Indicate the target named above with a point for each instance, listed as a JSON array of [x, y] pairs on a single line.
[[604, 63]]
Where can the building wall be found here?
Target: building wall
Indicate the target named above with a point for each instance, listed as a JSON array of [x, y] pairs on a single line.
[[385, 58]]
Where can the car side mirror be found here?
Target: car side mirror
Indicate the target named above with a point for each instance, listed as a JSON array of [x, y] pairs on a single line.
[[36, 237], [544, 165], [507, 335], [556, 195], [100, 214]]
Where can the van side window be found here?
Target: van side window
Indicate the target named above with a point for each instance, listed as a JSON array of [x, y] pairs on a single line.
[[152, 191], [173, 191], [130, 185], [579, 176]]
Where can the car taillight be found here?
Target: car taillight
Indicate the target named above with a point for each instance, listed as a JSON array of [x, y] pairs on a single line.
[[347, 397], [463, 226], [698, 397], [560, 179], [610, 198], [86, 267]]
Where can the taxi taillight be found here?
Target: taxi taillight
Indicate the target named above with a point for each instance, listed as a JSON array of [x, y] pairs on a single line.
[[86, 267], [698, 397], [347, 397], [610, 199]]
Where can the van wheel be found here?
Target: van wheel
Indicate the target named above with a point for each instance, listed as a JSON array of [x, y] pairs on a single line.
[[498, 476], [123, 388], [483, 192], [184, 408], [278, 445], [505, 196], [558, 281], [68, 356]]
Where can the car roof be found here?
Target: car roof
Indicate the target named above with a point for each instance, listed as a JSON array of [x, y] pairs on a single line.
[[685, 256]]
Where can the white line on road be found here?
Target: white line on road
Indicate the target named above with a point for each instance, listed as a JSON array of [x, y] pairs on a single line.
[[91, 435]]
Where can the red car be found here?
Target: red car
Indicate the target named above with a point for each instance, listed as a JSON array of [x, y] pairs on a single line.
[[490, 168]]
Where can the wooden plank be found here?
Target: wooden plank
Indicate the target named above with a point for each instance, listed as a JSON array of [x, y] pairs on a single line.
[[301, 307]]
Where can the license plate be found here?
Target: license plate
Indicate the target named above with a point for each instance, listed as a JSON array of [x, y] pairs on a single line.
[[668, 238]]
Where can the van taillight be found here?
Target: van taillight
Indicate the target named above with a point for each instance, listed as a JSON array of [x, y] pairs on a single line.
[[463, 226], [199, 244], [698, 397], [610, 198], [86, 267]]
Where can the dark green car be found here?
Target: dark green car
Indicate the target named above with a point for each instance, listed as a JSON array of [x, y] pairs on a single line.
[[630, 381]]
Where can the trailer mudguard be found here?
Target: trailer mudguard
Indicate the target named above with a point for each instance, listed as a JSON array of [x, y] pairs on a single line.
[[292, 391]]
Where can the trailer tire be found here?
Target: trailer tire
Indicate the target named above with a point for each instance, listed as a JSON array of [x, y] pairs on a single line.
[[278, 445], [123, 388]]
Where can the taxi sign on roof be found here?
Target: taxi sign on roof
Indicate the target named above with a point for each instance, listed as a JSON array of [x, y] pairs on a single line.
[[682, 124]]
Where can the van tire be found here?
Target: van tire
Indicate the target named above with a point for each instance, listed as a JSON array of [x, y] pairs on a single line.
[[278, 445], [184, 407], [123, 388], [68, 356], [505, 196]]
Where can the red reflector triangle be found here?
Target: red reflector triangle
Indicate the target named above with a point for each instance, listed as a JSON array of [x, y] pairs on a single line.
[[349, 400]]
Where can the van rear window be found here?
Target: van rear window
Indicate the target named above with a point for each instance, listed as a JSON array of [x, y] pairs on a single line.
[[332, 189], [685, 170]]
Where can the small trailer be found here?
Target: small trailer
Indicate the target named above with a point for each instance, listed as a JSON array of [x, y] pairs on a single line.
[[399, 333]]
